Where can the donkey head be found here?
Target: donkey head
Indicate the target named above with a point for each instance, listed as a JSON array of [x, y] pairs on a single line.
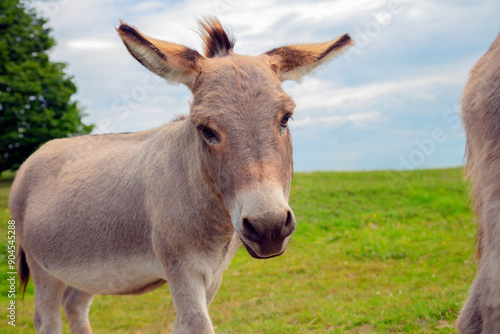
[[239, 115]]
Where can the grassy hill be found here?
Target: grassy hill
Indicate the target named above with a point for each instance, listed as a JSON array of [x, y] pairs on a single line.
[[374, 252]]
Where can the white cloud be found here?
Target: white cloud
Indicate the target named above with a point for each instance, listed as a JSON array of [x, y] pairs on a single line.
[[147, 6], [422, 54], [90, 44], [315, 93], [336, 120]]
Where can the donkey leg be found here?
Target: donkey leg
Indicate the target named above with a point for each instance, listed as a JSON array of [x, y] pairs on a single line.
[[212, 290], [48, 298], [76, 305], [481, 313], [470, 320], [190, 300]]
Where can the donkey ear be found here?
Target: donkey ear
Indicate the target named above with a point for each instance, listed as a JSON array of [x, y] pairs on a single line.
[[294, 61], [174, 62]]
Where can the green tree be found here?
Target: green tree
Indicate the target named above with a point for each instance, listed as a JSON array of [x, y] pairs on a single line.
[[35, 93]]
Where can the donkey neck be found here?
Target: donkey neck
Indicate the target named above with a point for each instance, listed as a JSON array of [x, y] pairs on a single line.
[[181, 169]]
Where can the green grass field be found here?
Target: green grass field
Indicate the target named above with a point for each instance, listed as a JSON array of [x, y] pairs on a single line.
[[374, 252]]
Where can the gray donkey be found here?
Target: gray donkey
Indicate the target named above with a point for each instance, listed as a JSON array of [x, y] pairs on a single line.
[[134, 211], [481, 118]]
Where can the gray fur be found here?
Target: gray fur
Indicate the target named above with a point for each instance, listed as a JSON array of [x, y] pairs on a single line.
[[481, 118], [127, 213]]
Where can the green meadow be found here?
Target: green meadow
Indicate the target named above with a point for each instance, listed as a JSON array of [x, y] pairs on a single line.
[[374, 252]]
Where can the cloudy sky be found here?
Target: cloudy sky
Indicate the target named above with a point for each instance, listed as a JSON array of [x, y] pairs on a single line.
[[390, 102]]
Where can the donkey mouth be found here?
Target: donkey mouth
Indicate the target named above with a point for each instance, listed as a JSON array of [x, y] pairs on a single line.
[[255, 256]]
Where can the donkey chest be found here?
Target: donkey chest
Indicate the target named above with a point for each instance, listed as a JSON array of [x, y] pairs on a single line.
[[221, 262]]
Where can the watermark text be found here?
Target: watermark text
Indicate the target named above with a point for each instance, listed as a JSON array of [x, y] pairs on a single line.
[[11, 274]]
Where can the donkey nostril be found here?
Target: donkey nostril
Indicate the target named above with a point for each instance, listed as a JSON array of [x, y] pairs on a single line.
[[289, 226], [288, 219], [249, 231]]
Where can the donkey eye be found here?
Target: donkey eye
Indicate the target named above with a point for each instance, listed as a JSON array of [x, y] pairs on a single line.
[[284, 121], [207, 133]]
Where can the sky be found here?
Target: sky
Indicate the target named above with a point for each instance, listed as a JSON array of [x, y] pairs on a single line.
[[390, 102]]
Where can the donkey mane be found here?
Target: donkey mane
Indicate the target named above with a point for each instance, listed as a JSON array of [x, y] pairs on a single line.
[[216, 41], [178, 118]]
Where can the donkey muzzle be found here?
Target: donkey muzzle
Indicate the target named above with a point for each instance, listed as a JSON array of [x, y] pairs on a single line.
[[264, 222]]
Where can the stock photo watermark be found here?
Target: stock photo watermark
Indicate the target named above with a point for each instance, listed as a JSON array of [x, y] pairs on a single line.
[[424, 148], [11, 273], [123, 105], [122, 108], [363, 36], [50, 8], [225, 6]]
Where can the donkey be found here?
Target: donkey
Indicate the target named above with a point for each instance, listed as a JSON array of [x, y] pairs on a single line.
[[171, 204], [481, 119]]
